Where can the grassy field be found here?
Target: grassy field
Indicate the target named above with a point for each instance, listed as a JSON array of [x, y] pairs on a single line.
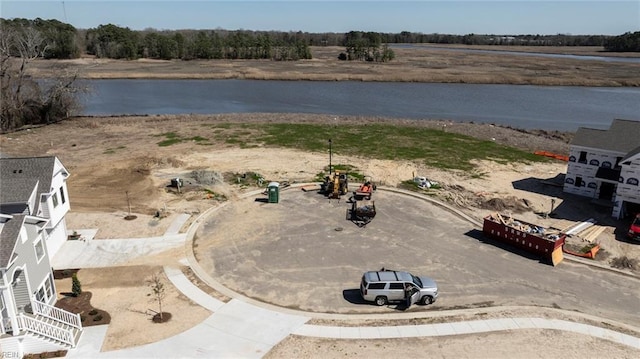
[[433, 147]]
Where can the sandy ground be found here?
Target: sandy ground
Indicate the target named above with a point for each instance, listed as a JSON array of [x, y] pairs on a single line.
[[521, 344], [117, 169], [124, 292]]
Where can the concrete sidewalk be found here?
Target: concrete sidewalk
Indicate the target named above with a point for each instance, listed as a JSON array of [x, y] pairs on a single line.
[[111, 252], [177, 224], [184, 285], [466, 327], [90, 253]]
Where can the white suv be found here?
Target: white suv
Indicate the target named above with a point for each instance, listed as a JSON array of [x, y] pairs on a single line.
[[388, 286]]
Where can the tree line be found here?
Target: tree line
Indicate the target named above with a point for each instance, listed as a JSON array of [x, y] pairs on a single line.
[[110, 41], [627, 42]]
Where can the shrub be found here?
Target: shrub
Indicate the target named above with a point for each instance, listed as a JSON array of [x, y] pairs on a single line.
[[76, 287]]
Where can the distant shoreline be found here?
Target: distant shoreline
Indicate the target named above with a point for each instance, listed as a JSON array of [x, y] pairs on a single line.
[[416, 64]]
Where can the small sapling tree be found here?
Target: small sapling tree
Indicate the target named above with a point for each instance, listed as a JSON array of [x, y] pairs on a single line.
[[157, 293]]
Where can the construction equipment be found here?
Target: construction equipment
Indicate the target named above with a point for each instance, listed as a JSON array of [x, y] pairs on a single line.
[[365, 190], [335, 185], [361, 215]]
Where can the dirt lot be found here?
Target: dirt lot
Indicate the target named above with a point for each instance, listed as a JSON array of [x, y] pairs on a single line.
[[116, 162]]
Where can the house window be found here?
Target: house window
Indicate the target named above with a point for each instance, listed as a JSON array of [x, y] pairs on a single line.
[[583, 157], [579, 182], [62, 197], [48, 288], [39, 246], [45, 292], [54, 198], [40, 296]]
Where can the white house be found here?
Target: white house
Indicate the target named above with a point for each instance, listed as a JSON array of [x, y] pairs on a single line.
[[605, 165], [29, 321], [37, 186], [33, 205]]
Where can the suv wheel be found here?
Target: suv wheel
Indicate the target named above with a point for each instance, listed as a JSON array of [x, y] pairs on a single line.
[[380, 301], [426, 300]]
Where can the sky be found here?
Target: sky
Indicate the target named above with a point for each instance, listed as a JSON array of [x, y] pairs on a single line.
[[502, 17]]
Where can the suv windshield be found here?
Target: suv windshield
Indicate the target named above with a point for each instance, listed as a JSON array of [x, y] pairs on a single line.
[[417, 281]]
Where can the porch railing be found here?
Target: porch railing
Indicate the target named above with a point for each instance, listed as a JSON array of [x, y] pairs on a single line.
[[47, 330], [49, 311]]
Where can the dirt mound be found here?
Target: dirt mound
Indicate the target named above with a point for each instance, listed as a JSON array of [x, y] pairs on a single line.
[[203, 177], [511, 204]]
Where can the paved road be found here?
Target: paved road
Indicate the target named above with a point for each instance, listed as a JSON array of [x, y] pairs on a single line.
[[302, 253]]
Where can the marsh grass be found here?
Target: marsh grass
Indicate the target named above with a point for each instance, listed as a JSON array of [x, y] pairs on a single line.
[[110, 151], [434, 147], [417, 64], [172, 138]]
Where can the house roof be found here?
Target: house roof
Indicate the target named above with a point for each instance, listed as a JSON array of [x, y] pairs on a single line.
[[19, 175], [16, 190], [633, 153], [9, 231], [623, 136]]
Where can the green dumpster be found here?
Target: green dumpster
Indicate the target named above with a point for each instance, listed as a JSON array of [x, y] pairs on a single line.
[[273, 190]]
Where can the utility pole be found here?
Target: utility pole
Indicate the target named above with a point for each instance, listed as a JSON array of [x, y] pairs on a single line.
[[329, 157]]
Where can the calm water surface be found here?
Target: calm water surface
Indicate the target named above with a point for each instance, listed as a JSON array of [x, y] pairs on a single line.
[[528, 107]]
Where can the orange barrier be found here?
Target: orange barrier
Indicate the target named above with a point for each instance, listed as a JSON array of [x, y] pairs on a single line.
[[552, 155], [591, 254]]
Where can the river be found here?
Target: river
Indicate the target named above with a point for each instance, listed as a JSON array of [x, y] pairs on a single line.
[[562, 108]]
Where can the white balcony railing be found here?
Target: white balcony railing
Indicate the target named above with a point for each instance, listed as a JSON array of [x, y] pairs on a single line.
[[47, 330], [49, 311]]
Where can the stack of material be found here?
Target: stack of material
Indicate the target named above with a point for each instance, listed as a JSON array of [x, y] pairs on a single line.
[[590, 234], [577, 228]]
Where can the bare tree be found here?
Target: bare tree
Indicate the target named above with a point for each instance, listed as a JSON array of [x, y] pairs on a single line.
[[157, 292], [25, 100]]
